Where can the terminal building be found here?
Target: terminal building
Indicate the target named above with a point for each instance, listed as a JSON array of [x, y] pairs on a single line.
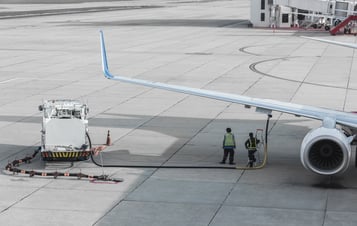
[[325, 14]]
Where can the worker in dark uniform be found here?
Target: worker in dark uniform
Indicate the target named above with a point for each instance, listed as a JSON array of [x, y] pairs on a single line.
[[229, 144], [251, 146]]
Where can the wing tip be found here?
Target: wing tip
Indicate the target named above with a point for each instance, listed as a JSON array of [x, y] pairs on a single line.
[[105, 67]]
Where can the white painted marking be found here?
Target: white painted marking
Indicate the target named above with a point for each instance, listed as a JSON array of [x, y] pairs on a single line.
[[8, 80]]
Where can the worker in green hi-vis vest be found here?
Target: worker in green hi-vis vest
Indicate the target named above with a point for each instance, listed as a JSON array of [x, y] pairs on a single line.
[[229, 144], [251, 146]]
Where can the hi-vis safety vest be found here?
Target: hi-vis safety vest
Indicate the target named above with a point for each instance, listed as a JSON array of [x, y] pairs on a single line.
[[228, 140], [252, 144]]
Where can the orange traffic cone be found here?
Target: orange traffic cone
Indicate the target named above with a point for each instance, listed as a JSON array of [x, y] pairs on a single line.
[[109, 142]]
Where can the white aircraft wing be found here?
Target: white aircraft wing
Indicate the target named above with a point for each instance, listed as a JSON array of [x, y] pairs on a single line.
[[329, 117], [345, 44]]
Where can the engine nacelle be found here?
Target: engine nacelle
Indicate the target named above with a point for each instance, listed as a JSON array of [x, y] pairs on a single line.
[[326, 151]]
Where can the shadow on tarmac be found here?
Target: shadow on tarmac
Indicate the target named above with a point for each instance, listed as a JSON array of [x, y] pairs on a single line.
[[281, 158]]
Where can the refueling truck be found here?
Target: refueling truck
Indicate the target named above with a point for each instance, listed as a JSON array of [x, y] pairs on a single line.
[[64, 134]]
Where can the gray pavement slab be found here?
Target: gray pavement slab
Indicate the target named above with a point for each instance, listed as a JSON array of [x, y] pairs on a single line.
[[159, 213], [340, 218], [278, 196], [181, 191], [70, 199], [43, 217], [342, 200], [233, 215]]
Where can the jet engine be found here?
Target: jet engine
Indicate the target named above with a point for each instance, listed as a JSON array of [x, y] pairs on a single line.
[[326, 151]]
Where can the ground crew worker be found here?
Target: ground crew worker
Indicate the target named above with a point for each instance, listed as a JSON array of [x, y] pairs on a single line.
[[251, 146], [229, 144]]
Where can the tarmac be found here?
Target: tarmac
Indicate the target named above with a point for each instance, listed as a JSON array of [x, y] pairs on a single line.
[[47, 53]]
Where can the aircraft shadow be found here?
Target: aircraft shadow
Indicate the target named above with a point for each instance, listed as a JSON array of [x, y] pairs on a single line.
[[197, 143]]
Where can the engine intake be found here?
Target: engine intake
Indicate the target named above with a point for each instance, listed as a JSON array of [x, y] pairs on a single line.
[[326, 151]]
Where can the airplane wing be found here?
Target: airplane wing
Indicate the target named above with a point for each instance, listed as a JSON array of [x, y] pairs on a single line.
[[329, 117], [345, 44]]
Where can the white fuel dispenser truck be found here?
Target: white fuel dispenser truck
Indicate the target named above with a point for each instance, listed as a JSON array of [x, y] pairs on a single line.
[[64, 134]]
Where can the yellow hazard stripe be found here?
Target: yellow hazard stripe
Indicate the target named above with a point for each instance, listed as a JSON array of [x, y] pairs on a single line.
[[71, 154]]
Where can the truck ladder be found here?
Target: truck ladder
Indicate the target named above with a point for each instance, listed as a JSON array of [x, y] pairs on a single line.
[[337, 28]]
